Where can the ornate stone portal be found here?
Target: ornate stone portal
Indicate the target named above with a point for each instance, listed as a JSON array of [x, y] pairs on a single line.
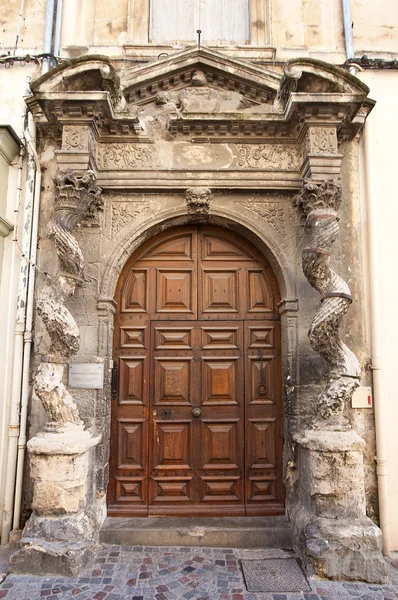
[[200, 136]]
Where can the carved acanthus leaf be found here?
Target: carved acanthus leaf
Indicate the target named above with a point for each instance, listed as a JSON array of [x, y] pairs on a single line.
[[272, 212], [319, 195], [76, 197]]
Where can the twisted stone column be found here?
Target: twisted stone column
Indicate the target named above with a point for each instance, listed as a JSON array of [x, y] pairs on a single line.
[[320, 202]]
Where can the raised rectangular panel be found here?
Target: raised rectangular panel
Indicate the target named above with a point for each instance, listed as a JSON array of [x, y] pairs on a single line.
[[220, 381], [169, 338], [135, 292], [260, 292], [131, 380], [220, 291], [174, 293], [221, 489], [178, 248], [262, 490], [132, 337], [172, 380], [214, 248], [218, 338], [220, 447], [262, 440], [172, 441], [130, 490], [257, 393], [130, 444], [261, 337], [169, 490]]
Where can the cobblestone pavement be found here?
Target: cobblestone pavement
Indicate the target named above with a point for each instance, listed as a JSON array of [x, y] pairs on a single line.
[[136, 573]]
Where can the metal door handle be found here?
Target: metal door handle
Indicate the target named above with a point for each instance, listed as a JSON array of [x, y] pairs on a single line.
[[261, 388], [196, 412]]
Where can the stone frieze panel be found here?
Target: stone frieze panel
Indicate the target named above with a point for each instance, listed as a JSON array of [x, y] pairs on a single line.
[[201, 157]]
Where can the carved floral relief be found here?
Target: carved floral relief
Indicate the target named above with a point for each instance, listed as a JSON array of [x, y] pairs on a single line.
[[272, 212], [268, 157], [125, 156]]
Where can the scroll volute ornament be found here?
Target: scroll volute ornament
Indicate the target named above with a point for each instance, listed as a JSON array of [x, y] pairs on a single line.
[[319, 201]]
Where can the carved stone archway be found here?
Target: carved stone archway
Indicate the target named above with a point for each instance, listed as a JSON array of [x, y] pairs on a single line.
[[157, 138]]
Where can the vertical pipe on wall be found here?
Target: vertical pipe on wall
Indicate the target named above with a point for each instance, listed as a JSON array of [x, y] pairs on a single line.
[[27, 336], [48, 35], [57, 32], [348, 34], [14, 424], [376, 353]]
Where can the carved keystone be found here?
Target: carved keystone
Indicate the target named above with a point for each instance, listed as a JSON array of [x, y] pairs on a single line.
[[198, 200]]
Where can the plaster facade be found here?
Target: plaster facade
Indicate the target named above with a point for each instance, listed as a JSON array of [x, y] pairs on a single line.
[[122, 133]]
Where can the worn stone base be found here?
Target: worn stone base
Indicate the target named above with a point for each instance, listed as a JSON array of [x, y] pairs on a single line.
[[344, 549], [37, 556], [333, 535]]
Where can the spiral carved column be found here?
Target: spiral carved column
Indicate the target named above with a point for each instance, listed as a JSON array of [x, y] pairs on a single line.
[[63, 529], [320, 201]]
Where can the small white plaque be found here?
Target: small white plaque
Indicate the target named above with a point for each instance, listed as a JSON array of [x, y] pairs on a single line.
[[88, 376], [362, 398]]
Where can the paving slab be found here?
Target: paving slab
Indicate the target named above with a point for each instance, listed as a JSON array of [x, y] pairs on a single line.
[[178, 573]]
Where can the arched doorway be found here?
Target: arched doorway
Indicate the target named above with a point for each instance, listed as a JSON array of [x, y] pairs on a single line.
[[196, 425]]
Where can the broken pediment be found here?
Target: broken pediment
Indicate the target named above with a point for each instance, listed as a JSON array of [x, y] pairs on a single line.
[[240, 84]]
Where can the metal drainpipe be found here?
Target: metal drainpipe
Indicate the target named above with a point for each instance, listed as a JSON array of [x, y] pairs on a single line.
[[28, 332], [57, 32], [348, 35], [14, 252], [377, 369], [14, 424], [48, 35]]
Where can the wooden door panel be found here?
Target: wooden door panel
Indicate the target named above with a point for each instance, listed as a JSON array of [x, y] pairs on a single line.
[[132, 337], [173, 338], [215, 248], [220, 291], [172, 445], [220, 445], [219, 381], [264, 485], [262, 444], [173, 380], [195, 307], [134, 296], [130, 444], [174, 291], [131, 380], [260, 296], [220, 338]]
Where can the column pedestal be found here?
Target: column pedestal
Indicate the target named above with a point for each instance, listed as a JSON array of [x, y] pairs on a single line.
[[333, 535], [62, 532]]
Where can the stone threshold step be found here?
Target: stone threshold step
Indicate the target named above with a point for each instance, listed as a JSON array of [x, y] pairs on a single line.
[[214, 532]]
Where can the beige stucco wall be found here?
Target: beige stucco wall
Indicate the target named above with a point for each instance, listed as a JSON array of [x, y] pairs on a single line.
[[382, 131], [302, 27]]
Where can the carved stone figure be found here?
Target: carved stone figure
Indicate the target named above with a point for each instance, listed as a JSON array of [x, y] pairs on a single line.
[[319, 202], [54, 396], [60, 325], [198, 200]]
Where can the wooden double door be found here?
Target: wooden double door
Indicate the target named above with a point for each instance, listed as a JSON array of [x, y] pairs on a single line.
[[197, 419]]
